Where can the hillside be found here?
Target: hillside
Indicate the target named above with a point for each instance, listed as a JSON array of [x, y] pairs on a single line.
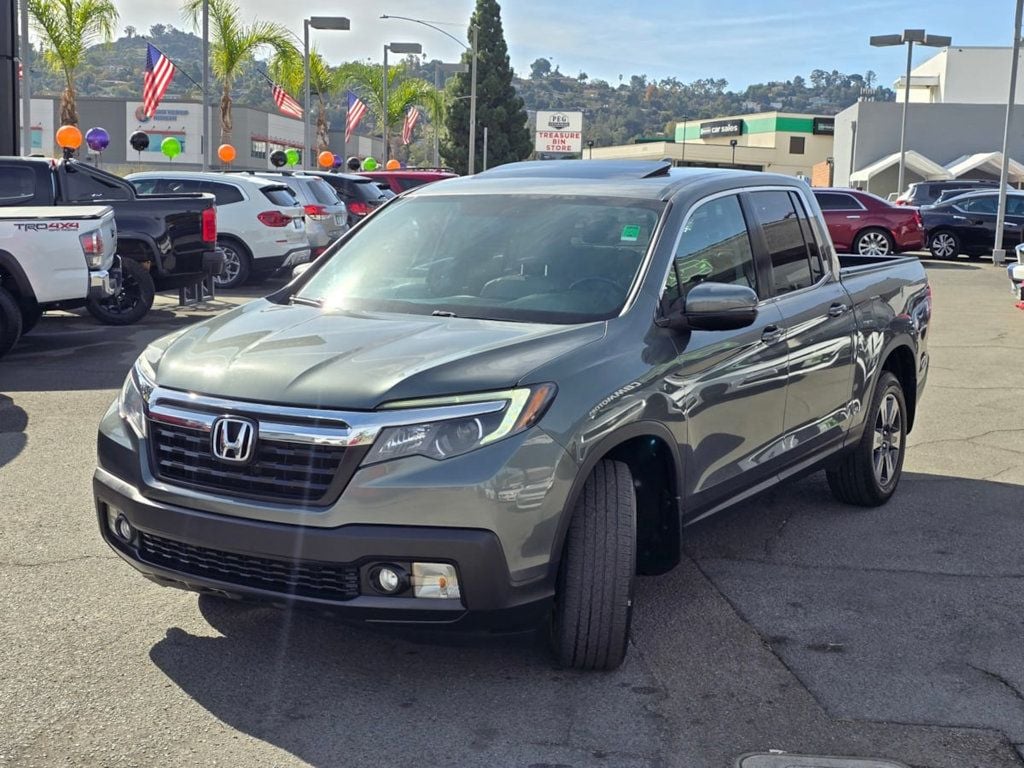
[[615, 113]]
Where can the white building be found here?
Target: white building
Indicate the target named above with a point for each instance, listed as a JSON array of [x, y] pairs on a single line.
[[963, 75]]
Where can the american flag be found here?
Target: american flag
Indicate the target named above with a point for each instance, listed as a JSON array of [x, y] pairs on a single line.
[[286, 103], [356, 112], [411, 118], [159, 72]]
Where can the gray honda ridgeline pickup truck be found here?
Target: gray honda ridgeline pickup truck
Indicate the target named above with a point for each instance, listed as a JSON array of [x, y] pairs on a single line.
[[500, 397]]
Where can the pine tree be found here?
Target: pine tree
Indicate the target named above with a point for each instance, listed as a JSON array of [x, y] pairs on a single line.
[[498, 106]]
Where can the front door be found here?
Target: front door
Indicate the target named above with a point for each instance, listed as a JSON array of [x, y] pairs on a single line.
[[819, 327], [728, 386]]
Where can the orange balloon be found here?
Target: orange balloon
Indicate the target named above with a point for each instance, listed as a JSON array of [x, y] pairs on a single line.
[[393, 165], [69, 137], [326, 159], [226, 153]]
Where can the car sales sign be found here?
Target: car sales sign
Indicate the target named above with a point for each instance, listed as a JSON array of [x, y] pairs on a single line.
[[559, 132]]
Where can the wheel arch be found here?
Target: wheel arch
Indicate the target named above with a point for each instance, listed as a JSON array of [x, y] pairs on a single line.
[[11, 272], [899, 360], [650, 450]]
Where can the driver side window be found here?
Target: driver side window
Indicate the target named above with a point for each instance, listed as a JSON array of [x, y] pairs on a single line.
[[714, 248]]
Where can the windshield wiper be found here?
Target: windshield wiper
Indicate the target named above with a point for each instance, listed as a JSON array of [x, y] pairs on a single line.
[[443, 313], [306, 301]]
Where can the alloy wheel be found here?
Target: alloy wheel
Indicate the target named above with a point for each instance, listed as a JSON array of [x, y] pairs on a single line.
[[232, 266], [943, 245], [873, 244], [888, 441]]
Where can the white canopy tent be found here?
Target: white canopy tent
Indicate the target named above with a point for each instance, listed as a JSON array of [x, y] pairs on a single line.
[[986, 162], [916, 163]]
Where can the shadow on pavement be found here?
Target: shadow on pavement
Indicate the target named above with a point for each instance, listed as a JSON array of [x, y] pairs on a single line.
[[13, 429], [939, 264]]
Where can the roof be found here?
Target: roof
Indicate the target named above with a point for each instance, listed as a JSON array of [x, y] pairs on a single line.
[[261, 181], [356, 177], [990, 162], [916, 162]]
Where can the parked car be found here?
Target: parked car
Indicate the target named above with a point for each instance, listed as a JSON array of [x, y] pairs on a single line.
[[326, 217], [860, 222], [52, 257], [949, 194], [262, 224], [171, 237], [410, 178], [967, 224], [927, 192], [360, 195], [499, 398]]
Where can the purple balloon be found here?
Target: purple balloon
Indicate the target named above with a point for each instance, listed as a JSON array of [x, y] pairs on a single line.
[[97, 139], [338, 160]]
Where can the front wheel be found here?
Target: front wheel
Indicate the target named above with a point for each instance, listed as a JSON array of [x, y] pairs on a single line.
[[594, 598], [944, 245], [132, 301], [868, 475], [874, 242]]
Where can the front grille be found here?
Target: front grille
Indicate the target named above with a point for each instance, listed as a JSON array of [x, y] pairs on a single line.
[[326, 581], [278, 471]]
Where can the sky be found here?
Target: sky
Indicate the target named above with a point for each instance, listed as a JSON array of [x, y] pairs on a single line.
[[743, 41]]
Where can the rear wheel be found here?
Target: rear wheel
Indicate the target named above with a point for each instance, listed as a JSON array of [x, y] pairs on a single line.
[[868, 475], [236, 264], [874, 242], [944, 245], [30, 317], [132, 301], [10, 322], [594, 598]]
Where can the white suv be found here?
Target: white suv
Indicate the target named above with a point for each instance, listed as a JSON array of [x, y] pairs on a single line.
[[260, 222]]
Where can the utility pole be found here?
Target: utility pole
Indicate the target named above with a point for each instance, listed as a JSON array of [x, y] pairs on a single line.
[[9, 78], [207, 144], [26, 83], [998, 252], [472, 103]]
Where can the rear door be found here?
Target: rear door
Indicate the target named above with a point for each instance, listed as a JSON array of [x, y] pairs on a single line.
[[817, 320], [978, 228], [844, 216], [729, 386]]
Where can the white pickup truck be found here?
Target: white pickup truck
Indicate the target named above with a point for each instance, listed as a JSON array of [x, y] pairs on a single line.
[[52, 258]]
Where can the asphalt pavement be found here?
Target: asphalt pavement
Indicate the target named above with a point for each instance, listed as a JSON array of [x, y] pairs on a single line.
[[794, 623]]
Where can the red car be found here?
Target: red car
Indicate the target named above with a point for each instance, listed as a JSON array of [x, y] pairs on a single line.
[[860, 222], [407, 178]]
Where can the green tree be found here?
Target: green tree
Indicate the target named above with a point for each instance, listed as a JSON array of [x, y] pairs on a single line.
[[499, 107], [540, 68], [234, 44], [66, 29]]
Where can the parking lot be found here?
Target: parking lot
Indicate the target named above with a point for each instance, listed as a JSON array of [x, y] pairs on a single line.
[[793, 623]]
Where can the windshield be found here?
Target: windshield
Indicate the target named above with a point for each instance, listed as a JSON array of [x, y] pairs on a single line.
[[527, 258]]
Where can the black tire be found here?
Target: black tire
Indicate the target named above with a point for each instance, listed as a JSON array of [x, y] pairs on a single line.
[[30, 318], [131, 302], [874, 242], [10, 322], [944, 244], [854, 478], [594, 597], [237, 264]]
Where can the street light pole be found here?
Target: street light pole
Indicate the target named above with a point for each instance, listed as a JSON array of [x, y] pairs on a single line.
[[384, 106], [472, 104], [338, 24], [206, 86], [998, 252], [26, 83], [903, 119]]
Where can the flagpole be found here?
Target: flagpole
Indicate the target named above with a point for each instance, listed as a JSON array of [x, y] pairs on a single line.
[[206, 144]]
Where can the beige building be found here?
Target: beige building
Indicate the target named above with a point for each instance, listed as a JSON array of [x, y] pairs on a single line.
[[779, 142], [963, 75]]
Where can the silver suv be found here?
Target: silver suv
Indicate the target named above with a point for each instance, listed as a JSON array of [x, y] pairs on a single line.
[[326, 216]]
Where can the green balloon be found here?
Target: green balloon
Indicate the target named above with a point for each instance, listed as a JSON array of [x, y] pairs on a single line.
[[171, 147], [293, 156], [369, 164]]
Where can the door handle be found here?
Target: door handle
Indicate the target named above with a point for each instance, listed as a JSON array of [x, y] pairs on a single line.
[[837, 309], [772, 334], [853, 217]]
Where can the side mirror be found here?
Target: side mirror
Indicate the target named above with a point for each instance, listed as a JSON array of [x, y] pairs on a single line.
[[299, 269], [714, 307]]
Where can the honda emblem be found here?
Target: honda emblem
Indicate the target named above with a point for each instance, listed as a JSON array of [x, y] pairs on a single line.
[[233, 440]]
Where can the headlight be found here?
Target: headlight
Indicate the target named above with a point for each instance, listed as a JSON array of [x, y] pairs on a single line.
[[136, 390], [444, 438]]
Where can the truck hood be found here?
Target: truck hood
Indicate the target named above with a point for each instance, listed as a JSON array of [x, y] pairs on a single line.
[[305, 356]]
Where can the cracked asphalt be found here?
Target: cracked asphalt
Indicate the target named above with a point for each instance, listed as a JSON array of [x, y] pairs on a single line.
[[793, 623]]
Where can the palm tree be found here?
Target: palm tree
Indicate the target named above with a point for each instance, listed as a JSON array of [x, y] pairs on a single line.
[[324, 83], [234, 44], [403, 92], [67, 28]]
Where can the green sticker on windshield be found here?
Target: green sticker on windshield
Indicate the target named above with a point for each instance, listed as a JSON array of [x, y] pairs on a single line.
[[630, 233]]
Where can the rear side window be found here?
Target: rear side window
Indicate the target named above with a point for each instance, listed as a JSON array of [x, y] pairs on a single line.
[[226, 194], [791, 266], [714, 248], [983, 204], [86, 187], [17, 185], [280, 196], [1015, 205], [323, 192], [837, 201], [368, 191]]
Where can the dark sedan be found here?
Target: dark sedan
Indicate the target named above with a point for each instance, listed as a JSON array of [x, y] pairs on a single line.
[[967, 224], [862, 223]]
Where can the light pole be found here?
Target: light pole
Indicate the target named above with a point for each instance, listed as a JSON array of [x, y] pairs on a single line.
[[733, 143], [385, 117], [336, 23], [908, 38], [682, 159], [440, 69], [998, 253], [474, 50], [206, 86]]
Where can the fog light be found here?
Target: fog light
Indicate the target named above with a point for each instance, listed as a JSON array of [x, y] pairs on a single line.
[[124, 529], [389, 579], [435, 580]]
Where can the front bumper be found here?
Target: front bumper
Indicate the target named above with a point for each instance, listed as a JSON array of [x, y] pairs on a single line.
[[209, 548]]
